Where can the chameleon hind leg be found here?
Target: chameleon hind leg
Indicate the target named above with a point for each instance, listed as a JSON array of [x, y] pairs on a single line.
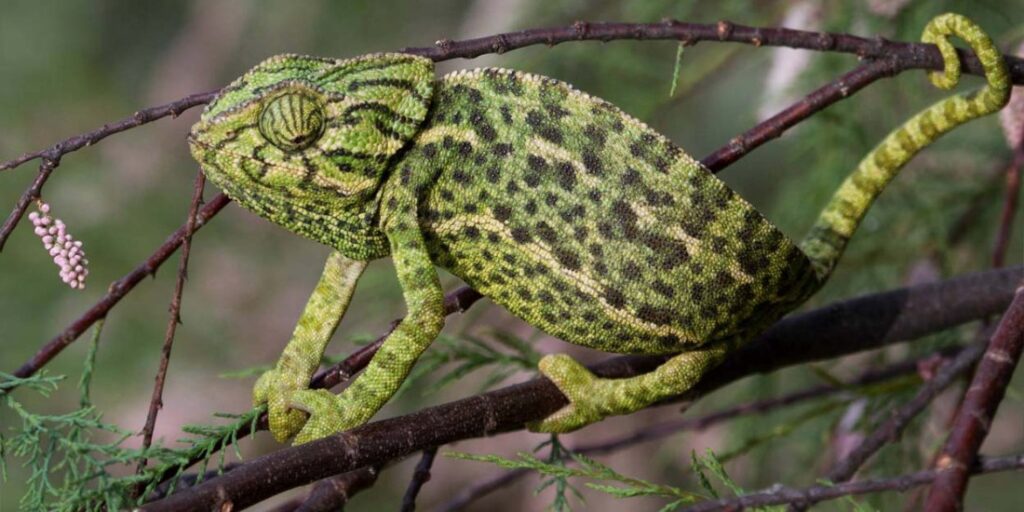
[[330, 413], [302, 356], [838, 221], [592, 398]]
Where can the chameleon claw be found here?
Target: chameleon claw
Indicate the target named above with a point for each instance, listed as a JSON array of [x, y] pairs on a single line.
[[580, 386], [272, 390], [326, 414]]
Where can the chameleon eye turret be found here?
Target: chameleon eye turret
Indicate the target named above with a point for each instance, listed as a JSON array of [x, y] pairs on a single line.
[[292, 120], [576, 217]]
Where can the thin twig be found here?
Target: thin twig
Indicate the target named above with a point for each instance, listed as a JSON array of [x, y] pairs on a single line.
[[818, 493], [891, 429], [146, 115], [916, 55], [480, 489], [420, 476], [33, 192], [979, 406], [156, 402]]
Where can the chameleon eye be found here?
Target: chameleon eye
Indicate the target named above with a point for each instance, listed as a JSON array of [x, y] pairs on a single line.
[[292, 121]]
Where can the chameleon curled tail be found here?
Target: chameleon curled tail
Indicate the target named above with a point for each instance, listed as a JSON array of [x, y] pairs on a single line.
[[838, 221]]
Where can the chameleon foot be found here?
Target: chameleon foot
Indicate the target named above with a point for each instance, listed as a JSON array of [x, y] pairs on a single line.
[[328, 414], [276, 389], [587, 395]]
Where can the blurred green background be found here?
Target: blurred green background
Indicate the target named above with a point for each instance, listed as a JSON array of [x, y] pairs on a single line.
[[68, 67]]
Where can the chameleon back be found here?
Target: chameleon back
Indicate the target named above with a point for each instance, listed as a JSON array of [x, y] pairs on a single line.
[[590, 225]]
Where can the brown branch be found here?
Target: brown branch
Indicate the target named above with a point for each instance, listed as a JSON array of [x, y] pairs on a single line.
[[33, 192], [420, 476], [893, 427], [144, 116], [818, 493], [849, 326], [979, 407], [910, 55], [157, 402], [480, 489]]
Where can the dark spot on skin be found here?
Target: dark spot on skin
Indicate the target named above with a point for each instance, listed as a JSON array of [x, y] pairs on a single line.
[[589, 316], [461, 176], [697, 292], [605, 229], [524, 293], [470, 208], [601, 268], [502, 213], [592, 163], [474, 95], [718, 244], [674, 258], [511, 187], [492, 238], [550, 133], [614, 298], [631, 269], [550, 199], [636, 149], [429, 150], [595, 134], [447, 142], [392, 203], [534, 118], [654, 314], [663, 289], [511, 260], [548, 316], [531, 207], [493, 174], [536, 163], [669, 341], [506, 114], [532, 179], [630, 177], [596, 250], [594, 195], [566, 176], [447, 194], [546, 233], [723, 279], [545, 296], [521, 235], [581, 232], [502, 149], [472, 232], [568, 259], [464, 148], [556, 111]]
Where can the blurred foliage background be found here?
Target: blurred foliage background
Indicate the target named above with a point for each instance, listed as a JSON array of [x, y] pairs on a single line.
[[67, 67]]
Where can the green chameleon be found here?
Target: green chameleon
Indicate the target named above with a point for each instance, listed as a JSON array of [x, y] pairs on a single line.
[[576, 217]]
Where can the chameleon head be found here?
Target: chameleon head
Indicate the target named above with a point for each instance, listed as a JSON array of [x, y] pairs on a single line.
[[305, 141]]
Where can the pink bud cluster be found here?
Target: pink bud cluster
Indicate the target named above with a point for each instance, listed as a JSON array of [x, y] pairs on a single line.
[[67, 252]]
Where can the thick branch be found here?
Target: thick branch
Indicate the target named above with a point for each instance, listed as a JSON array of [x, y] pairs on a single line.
[[979, 407], [835, 330]]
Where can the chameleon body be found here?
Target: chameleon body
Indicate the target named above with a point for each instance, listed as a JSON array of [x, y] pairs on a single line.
[[574, 216]]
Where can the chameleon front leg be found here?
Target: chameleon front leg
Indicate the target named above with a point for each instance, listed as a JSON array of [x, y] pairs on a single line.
[[302, 356], [592, 399], [330, 413]]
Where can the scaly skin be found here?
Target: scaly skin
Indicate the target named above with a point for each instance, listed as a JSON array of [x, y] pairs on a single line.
[[574, 216]]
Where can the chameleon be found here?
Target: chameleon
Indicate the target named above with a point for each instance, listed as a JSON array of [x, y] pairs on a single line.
[[576, 217]]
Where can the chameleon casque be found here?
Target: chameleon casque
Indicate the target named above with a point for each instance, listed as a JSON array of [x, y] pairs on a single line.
[[576, 217]]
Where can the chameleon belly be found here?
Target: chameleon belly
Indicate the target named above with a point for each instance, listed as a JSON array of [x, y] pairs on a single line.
[[588, 224]]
